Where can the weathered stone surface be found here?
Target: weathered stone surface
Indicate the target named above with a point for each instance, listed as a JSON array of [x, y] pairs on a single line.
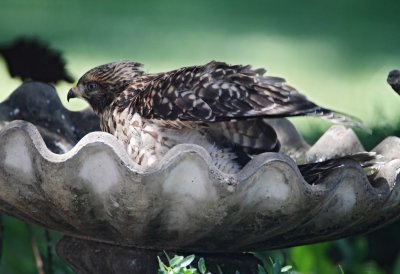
[[337, 141], [291, 141], [39, 104], [185, 204]]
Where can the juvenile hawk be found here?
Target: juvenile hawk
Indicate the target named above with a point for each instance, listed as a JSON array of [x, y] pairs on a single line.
[[217, 106]]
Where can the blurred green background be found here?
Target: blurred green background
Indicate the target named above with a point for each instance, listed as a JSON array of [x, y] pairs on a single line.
[[338, 53]]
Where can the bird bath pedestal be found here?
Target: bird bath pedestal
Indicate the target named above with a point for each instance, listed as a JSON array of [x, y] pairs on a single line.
[[117, 218]]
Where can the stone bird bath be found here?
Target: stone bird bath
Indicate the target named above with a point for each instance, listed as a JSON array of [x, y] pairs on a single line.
[[117, 217]]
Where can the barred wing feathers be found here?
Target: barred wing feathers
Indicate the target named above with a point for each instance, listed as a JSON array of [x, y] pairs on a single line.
[[220, 92]]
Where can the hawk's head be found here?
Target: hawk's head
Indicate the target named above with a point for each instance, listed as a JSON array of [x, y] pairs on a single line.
[[100, 85]]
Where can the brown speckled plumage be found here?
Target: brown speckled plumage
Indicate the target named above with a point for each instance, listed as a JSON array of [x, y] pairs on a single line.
[[217, 106]]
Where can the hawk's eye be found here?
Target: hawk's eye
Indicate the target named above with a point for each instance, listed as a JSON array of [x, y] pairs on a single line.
[[91, 86]]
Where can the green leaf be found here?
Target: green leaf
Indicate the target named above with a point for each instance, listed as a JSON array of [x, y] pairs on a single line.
[[286, 268], [396, 267], [341, 269], [276, 268], [202, 266], [166, 255], [190, 271], [162, 266], [177, 269], [175, 260], [187, 261], [271, 260], [261, 270]]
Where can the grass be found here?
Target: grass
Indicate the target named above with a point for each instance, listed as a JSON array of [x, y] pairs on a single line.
[[337, 53]]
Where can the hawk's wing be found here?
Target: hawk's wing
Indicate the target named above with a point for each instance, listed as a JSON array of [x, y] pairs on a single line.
[[253, 136], [220, 92]]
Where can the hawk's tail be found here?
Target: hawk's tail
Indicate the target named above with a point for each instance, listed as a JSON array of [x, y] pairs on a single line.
[[313, 172], [339, 118]]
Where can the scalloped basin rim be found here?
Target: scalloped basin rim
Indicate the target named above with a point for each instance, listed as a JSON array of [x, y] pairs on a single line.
[[185, 203], [108, 140], [178, 153]]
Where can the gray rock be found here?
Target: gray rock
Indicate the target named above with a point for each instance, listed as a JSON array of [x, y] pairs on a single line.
[[39, 104], [337, 141]]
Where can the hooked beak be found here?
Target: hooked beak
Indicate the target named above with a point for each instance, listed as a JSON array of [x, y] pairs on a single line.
[[76, 92], [71, 94]]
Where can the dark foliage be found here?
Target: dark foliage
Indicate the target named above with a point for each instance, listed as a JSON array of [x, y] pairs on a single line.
[[32, 59], [1, 235], [394, 80]]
